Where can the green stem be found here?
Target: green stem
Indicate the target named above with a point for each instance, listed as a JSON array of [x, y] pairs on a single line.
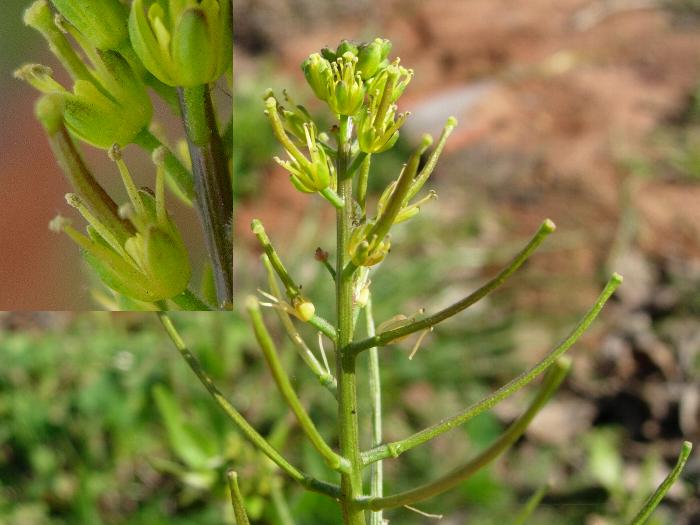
[[293, 290], [531, 505], [227, 139], [178, 175], [432, 160], [283, 513], [362, 183], [332, 197], [323, 326], [387, 337], [394, 449], [187, 300], [86, 186], [666, 484], [551, 383], [357, 162], [237, 499], [324, 376], [351, 483], [212, 183], [281, 378], [248, 431], [290, 286], [376, 473]]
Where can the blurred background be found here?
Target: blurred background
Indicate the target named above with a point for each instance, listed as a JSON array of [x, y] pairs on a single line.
[[584, 111], [40, 270]]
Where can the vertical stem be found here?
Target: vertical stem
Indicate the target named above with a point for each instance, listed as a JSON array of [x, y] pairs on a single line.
[[376, 470], [351, 483], [212, 185], [283, 512]]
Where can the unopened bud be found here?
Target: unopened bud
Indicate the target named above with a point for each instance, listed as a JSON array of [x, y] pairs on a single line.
[[304, 309], [187, 44]]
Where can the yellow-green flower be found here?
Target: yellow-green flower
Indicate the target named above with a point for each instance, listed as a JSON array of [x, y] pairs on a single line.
[[182, 42], [151, 264]]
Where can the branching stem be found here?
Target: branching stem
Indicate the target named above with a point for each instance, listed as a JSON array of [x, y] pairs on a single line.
[[249, 432], [332, 459], [324, 376], [293, 290], [654, 500], [551, 383], [394, 449], [387, 337]]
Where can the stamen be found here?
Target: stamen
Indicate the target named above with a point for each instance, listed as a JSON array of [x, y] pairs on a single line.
[[418, 342], [423, 513]]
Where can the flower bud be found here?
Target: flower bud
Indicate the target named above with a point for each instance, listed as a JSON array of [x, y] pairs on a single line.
[[304, 309], [366, 251], [182, 42], [372, 56], [347, 91], [346, 46], [319, 75], [308, 174], [166, 261], [102, 22]]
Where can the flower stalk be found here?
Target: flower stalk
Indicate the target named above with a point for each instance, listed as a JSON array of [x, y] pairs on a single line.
[[212, 183]]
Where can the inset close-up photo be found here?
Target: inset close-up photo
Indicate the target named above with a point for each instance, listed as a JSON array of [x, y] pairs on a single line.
[[145, 89]]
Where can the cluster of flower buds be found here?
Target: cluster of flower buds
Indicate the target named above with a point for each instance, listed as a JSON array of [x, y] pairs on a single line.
[[142, 257], [361, 86], [182, 42], [345, 77], [108, 103]]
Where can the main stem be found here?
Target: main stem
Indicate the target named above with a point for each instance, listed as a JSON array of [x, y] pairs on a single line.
[[375, 394], [212, 185], [351, 483]]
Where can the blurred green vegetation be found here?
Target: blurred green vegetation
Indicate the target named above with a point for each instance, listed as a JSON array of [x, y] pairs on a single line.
[[101, 422]]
